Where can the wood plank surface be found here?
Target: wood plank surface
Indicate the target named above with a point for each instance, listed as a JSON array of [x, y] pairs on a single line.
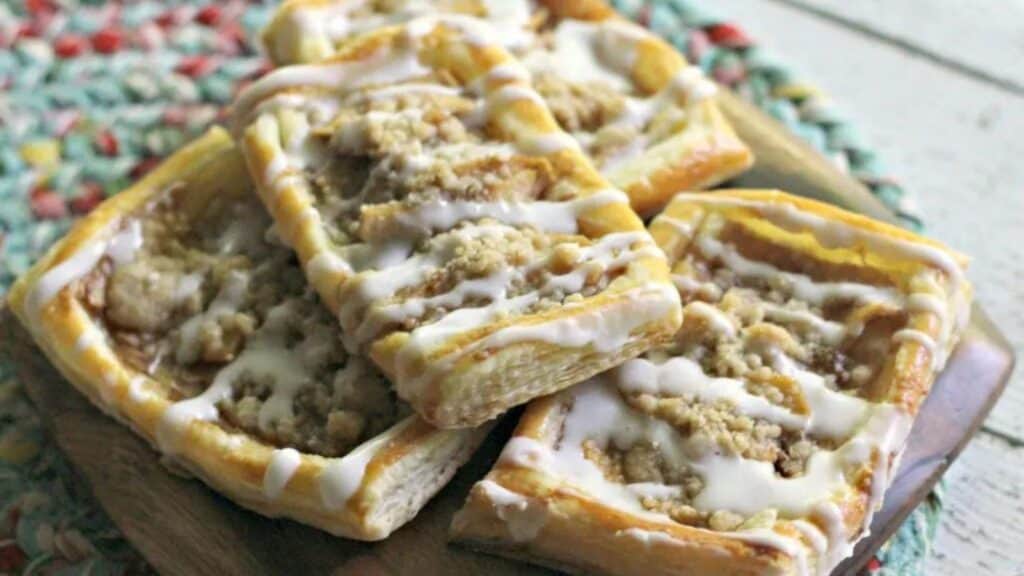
[[980, 38], [955, 142], [985, 515]]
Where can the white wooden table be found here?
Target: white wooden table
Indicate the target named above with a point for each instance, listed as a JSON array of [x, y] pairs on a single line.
[[938, 86]]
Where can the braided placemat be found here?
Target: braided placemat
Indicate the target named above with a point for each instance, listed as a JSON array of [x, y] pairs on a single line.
[[93, 94]]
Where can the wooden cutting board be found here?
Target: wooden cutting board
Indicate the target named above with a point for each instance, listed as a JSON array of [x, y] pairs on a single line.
[[183, 528]]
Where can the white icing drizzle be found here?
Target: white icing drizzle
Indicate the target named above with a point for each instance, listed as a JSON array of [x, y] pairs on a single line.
[[326, 264], [590, 52], [108, 392], [804, 287], [187, 285], [282, 466], [454, 153], [138, 390], [91, 336], [833, 414], [552, 217], [788, 546], [951, 321], [834, 234], [120, 246], [232, 294], [388, 262], [692, 85], [328, 24], [582, 51], [387, 67], [832, 333], [951, 314], [749, 486], [511, 71], [911, 335], [649, 538], [604, 330], [605, 52], [681, 376], [342, 477], [716, 320], [125, 243], [524, 517], [511, 92], [510, 19], [599, 414], [547, 144], [921, 302], [409, 88], [440, 215], [684, 229], [266, 356], [866, 434], [838, 544], [474, 31], [688, 285]]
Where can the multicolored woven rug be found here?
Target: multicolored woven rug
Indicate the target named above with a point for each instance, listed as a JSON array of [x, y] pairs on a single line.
[[93, 94]]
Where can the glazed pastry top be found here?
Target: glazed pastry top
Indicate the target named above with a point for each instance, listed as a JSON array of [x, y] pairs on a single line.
[[616, 87], [213, 309], [445, 200], [777, 413]]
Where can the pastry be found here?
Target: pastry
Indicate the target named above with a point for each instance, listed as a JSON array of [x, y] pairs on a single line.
[[464, 241], [762, 439], [174, 309], [646, 118]]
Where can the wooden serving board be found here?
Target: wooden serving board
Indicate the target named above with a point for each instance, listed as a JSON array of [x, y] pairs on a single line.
[[183, 528]]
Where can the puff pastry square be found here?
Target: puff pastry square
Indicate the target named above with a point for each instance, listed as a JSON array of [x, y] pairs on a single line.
[[763, 438], [646, 118], [174, 310], [463, 239]]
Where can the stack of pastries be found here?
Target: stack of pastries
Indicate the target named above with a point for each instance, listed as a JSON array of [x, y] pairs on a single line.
[[433, 212]]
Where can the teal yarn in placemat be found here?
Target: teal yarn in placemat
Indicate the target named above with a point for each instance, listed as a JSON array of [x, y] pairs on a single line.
[[93, 94], [730, 56]]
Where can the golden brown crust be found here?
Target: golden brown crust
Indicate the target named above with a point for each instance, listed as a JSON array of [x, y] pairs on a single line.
[[699, 153], [704, 158], [422, 373], [907, 375], [528, 507], [541, 519], [233, 463]]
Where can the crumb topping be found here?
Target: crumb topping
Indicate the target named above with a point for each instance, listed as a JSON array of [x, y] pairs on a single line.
[[411, 165], [759, 347], [580, 107], [218, 296]]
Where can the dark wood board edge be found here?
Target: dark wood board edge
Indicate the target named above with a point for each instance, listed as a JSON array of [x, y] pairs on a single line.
[[983, 357], [782, 160]]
